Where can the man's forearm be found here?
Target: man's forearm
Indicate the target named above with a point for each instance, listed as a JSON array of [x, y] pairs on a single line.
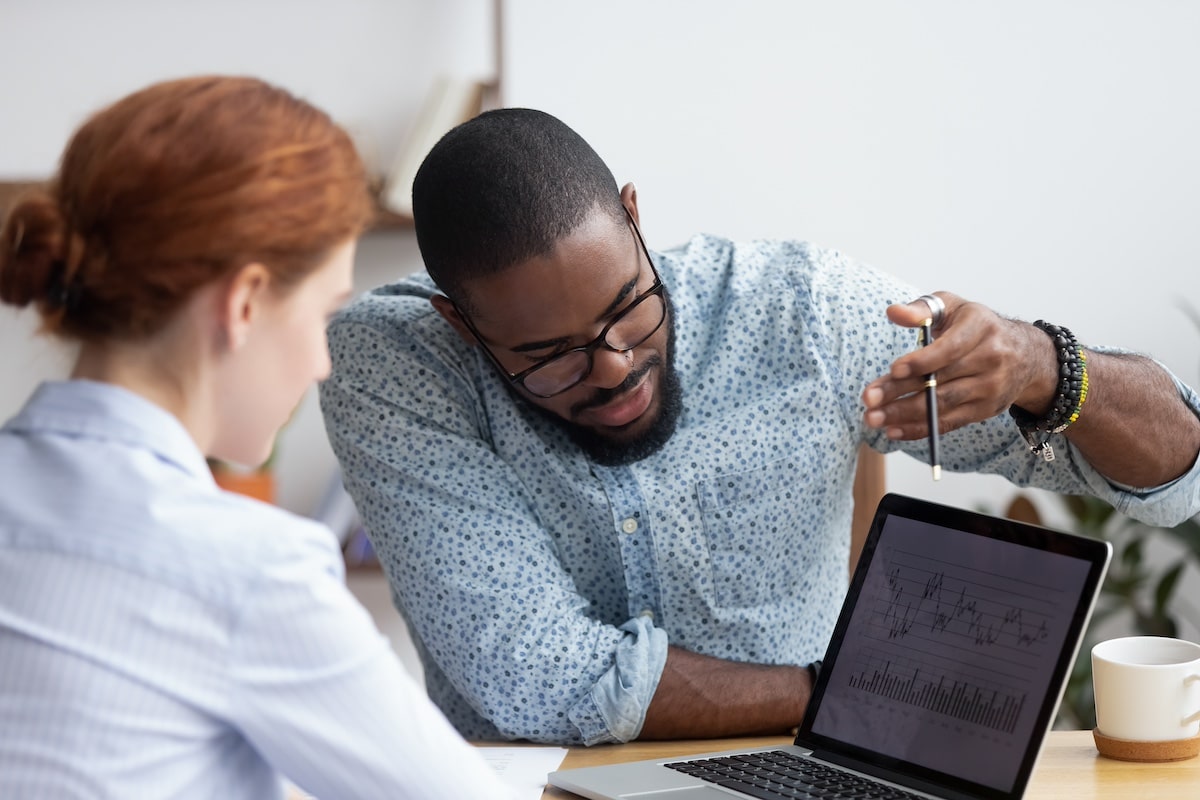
[[1134, 428], [701, 697]]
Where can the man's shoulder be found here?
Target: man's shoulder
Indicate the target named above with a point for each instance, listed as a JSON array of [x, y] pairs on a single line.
[[712, 266], [709, 247], [405, 300], [393, 339], [398, 313], [711, 254]]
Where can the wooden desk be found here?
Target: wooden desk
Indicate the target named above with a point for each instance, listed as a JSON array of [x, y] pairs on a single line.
[[1069, 768]]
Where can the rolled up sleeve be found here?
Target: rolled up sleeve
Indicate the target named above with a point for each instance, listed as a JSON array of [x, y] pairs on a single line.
[[615, 708]]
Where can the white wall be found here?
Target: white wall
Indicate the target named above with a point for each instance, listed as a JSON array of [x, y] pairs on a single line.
[[368, 62], [1037, 156]]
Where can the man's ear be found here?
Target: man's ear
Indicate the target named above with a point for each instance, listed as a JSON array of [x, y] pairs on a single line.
[[450, 313], [629, 200], [242, 303]]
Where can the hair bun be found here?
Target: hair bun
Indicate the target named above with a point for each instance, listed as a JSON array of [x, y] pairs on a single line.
[[32, 250]]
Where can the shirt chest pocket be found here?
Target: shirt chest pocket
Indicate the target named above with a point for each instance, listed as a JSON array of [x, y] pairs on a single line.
[[759, 545]]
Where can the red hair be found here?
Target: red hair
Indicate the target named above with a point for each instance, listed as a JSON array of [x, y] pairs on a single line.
[[172, 188]]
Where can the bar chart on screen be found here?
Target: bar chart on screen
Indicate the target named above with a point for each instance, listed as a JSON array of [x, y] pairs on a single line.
[[978, 701]]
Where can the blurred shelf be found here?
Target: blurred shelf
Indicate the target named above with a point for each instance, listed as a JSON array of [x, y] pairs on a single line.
[[386, 220]]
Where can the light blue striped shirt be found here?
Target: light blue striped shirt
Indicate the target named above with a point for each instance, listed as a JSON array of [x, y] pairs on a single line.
[[161, 638], [542, 588]]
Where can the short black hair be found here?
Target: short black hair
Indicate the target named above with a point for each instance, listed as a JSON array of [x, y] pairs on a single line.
[[503, 188]]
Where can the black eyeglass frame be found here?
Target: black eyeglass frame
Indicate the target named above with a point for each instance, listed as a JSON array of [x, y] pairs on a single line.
[[591, 347]]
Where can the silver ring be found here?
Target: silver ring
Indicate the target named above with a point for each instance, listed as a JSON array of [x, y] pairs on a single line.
[[937, 309]]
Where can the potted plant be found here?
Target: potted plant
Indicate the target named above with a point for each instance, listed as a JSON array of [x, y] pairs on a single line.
[[1139, 592], [257, 482]]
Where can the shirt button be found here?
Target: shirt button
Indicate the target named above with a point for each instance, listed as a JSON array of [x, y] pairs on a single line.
[[629, 525]]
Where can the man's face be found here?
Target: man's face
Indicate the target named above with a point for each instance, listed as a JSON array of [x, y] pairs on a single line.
[[626, 407]]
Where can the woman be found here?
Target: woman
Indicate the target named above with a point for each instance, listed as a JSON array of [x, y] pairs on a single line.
[[159, 637]]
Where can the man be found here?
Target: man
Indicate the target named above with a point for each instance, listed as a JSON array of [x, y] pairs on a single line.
[[611, 488]]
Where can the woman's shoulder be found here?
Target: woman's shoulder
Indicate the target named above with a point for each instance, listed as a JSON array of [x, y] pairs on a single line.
[[216, 546], [243, 531]]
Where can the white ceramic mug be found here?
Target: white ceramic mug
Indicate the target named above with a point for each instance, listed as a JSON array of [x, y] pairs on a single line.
[[1147, 688]]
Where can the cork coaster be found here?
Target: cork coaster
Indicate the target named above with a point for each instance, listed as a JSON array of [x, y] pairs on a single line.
[[1126, 750]]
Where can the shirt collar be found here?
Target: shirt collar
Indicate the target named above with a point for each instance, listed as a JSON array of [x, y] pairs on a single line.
[[104, 411]]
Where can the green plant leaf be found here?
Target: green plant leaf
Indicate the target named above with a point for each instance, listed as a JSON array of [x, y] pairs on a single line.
[[1153, 624], [1076, 505], [1122, 587], [1166, 588], [1131, 553], [1187, 533], [1134, 585], [1092, 513]]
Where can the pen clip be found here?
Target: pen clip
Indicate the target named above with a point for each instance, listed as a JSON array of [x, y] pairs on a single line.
[[925, 335]]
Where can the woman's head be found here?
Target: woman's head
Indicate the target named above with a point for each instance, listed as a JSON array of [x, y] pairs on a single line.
[[173, 188], [197, 237]]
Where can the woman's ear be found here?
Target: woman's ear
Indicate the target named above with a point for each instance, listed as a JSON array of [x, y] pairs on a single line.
[[449, 312], [242, 303]]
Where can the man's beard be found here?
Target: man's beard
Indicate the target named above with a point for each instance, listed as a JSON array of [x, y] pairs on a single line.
[[610, 452]]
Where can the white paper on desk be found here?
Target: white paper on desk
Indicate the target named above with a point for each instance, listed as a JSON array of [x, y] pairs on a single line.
[[524, 768]]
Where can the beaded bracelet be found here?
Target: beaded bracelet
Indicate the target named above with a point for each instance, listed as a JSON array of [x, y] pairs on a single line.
[[1069, 399]]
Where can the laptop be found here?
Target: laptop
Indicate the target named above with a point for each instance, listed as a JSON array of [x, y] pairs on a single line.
[[942, 676]]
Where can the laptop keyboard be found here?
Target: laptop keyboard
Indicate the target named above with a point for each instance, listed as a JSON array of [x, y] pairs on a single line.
[[776, 775]]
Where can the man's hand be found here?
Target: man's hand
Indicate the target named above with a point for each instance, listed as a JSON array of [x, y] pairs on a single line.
[[1134, 427], [984, 364]]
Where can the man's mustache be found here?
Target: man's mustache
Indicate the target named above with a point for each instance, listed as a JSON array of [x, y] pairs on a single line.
[[605, 396]]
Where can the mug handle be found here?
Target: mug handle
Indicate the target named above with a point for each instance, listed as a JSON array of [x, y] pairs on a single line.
[[1191, 679]]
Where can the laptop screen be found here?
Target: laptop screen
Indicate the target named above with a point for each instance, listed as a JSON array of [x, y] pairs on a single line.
[[949, 658]]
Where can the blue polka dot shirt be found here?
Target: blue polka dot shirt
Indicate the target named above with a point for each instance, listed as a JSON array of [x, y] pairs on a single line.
[[542, 589]]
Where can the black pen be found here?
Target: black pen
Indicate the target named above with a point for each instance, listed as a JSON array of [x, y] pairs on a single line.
[[926, 339]]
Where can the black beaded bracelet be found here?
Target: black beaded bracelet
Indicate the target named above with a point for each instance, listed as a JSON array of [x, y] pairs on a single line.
[[1068, 400]]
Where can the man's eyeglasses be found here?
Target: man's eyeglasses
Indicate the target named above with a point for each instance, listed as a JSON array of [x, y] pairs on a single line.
[[636, 323]]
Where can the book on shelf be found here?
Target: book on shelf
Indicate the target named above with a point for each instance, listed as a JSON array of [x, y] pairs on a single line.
[[451, 100]]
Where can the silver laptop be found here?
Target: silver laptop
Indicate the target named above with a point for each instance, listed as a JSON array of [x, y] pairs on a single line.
[[942, 677]]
